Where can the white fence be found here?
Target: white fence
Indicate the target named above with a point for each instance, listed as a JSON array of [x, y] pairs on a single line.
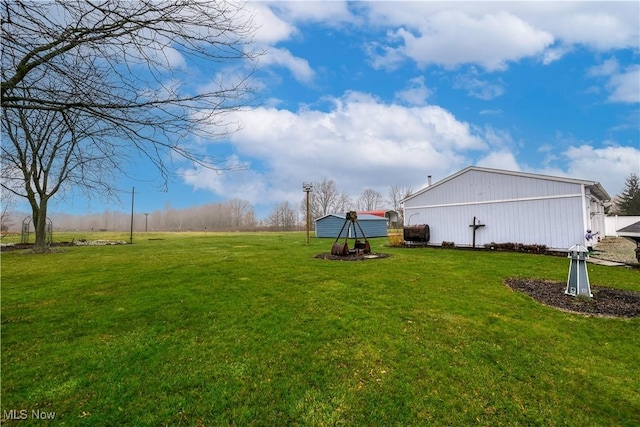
[[614, 223]]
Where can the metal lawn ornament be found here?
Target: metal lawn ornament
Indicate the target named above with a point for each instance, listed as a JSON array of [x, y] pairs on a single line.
[[360, 247], [578, 281]]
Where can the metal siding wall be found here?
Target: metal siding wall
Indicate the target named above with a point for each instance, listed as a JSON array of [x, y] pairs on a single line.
[[550, 222], [373, 228], [481, 186], [554, 222], [329, 227]]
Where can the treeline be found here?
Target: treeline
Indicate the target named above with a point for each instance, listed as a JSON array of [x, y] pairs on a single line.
[[238, 214], [235, 214]]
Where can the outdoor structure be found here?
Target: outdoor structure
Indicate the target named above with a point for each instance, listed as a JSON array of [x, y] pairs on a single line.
[[614, 223], [330, 225], [578, 280], [391, 216], [632, 232], [360, 245], [26, 230], [478, 206]]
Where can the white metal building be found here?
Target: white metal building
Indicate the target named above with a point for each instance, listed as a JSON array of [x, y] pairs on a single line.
[[508, 207]]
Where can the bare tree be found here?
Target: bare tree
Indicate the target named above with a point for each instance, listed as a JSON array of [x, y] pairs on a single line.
[[7, 202], [88, 84], [49, 150], [342, 204], [396, 195], [239, 212], [282, 217], [324, 199], [370, 200]]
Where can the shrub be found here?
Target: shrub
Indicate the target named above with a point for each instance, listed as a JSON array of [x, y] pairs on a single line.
[[519, 247], [396, 240]]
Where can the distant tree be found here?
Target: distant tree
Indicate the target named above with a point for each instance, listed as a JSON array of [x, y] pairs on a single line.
[[370, 200], [241, 213], [628, 202], [7, 203], [282, 217], [324, 199], [396, 195], [249, 220], [87, 84]]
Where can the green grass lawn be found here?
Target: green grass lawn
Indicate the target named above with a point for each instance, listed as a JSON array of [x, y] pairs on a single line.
[[250, 329]]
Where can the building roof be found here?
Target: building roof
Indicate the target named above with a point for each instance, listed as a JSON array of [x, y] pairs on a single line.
[[594, 186], [632, 230], [361, 217], [376, 213]]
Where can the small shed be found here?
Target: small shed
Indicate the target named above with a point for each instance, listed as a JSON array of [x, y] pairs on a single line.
[[330, 225]]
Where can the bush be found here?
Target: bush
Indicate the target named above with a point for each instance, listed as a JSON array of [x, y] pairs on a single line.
[[396, 240], [518, 247]]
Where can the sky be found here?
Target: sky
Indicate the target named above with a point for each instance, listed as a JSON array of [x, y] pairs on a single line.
[[375, 94]]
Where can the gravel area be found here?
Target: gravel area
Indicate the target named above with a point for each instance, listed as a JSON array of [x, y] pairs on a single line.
[[616, 249]]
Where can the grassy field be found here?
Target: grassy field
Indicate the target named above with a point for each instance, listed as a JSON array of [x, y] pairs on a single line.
[[251, 329]]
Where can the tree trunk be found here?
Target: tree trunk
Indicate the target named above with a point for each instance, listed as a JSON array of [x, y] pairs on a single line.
[[40, 223]]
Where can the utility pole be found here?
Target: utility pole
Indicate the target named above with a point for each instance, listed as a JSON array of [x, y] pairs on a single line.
[[146, 217], [307, 187], [133, 191]]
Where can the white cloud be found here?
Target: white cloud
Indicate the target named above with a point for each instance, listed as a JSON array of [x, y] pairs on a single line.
[[244, 184], [299, 67], [416, 93], [497, 138], [503, 159], [554, 54], [331, 13], [477, 88], [607, 68], [490, 112], [609, 166], [270, 29], [625, 86], [453, 38], [383, 56], [598, 25], [492, 34], [359, 143]]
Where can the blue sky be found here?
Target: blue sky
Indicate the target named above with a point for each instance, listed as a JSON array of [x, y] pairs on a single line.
[[374, 94]]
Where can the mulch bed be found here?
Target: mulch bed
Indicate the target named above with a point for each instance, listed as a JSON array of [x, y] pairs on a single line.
[[606, 302], [351, 257], [16, 247]]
